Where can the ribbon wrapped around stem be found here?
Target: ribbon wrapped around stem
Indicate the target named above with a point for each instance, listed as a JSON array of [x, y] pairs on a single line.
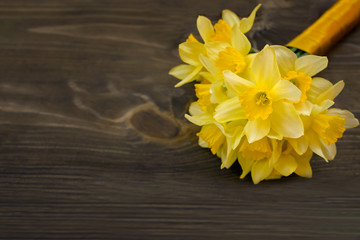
[[332, 26]]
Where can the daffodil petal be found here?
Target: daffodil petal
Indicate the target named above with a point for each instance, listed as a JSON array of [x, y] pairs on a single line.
[[198, 116], [274, 175], [230, 158], [213, 49], [229, 110], [322, 107], [236, 130], [247, 23], [240, 41], [318, 86], [260, 170], [230, 18], [245, 164], [250, 58], [328, 150], [350, 120], [203, 143], [300, 144], [235, 84], [303, 165], [315, 146], [181, 71], [320, 148], [191, 77], [199, 120], [257, 129], [195, 109], [264, 69], [210, 66], [235, 78], [285, 58], [284, 89], [207, 76], [189, 52], [311, 64], [274, 135], [331, 92], [286, 165], [304, 108], [205, 28], [237, 138], [277, 149], [218, 93], [286, 121]]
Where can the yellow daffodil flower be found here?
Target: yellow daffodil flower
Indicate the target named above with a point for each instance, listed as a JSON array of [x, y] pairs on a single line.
[[261, 100], [272, 159], [290, 161], [221, 30], [189, 53], [245, 24], [324, 126], [258, 158], [212, 134], [230, 30], [227, 46], [299, 71]]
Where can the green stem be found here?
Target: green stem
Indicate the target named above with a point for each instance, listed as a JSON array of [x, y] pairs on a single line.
[[298, 52]]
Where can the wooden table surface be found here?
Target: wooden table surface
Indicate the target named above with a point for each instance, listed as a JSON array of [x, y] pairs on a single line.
[[94, 143]]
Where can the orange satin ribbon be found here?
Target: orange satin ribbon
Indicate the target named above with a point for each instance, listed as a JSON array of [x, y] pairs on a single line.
[[329, 28]]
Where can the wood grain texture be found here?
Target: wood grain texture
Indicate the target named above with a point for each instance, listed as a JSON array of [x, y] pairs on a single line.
[[95, 146]]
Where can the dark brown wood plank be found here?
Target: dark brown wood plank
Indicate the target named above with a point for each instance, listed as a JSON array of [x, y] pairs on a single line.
[[95, 146]]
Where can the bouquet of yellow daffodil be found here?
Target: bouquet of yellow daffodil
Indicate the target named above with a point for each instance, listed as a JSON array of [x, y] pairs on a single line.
[[266, 109]]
